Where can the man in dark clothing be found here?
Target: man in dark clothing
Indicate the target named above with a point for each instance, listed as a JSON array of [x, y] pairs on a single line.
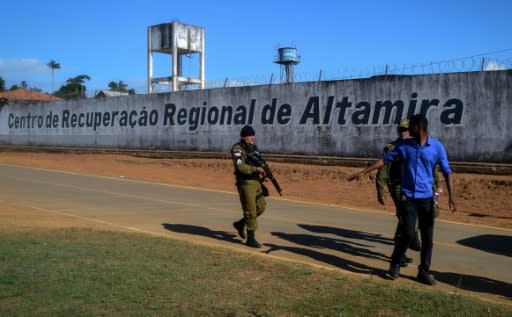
[[420, 155]]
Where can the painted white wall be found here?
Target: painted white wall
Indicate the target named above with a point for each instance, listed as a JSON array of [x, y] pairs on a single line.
[[471, 113]]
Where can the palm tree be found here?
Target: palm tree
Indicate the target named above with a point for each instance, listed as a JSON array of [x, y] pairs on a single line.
[[119, 86], [53, 65]]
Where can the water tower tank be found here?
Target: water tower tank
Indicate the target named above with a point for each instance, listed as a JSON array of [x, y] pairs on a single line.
[[287, 58], [288, 55], [178, 40]]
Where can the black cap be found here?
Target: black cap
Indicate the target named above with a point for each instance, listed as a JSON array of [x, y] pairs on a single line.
[[247, 131]]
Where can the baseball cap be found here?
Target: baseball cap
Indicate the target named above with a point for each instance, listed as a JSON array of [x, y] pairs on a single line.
[[404, 123]]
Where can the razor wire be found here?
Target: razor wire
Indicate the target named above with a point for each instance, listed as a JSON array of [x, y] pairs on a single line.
[[500, 60]]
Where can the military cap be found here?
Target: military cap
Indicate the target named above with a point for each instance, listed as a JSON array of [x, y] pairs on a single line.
[[247, 131]]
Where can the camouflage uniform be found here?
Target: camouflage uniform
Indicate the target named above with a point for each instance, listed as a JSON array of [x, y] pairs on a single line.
[[389, 176], [250, 189]]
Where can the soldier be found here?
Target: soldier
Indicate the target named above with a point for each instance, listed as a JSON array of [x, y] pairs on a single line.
[[250, 189], [389, 176]]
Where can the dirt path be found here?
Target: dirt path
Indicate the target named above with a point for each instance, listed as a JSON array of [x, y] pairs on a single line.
[[481, 199]]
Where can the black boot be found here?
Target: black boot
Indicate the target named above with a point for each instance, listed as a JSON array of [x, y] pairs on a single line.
[[240, 227], [405, 260], [251, 240], [425, 278]]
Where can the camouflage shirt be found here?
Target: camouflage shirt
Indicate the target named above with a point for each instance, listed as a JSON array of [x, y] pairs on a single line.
[[391, 173], [244, 167]]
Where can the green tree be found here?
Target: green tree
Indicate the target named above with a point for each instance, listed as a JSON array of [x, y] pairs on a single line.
[[53, 65], [121, 87], [74, 88], [2, 84]]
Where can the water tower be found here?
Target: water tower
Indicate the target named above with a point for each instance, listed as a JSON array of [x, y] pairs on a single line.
[[287, 58], [178, 40]]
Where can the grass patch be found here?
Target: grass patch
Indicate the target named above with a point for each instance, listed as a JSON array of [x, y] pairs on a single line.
[[86, 272]]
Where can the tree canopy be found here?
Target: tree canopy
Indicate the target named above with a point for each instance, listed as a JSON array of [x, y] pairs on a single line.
[[120, 87], [53, 65], [74, 88]]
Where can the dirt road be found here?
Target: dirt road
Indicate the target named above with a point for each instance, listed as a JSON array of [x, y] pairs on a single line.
[[481, 199]]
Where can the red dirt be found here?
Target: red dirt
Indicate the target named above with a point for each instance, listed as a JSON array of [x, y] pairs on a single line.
[[480, 199]]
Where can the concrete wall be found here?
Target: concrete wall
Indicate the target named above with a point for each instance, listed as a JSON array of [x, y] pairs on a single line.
[[471, 113]]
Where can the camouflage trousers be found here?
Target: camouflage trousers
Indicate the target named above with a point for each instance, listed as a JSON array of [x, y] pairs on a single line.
[[252, 201]]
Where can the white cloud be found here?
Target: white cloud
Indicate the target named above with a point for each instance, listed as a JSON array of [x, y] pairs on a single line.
[[36, 73], [22, 69], [493, 65]]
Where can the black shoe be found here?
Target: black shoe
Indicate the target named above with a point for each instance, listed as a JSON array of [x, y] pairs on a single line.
[[425, 278], [251, 240], [404, 262], [240, 227], [394, 271]]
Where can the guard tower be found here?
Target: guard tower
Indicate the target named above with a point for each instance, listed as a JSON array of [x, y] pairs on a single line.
[[287, 58], [177, 40]]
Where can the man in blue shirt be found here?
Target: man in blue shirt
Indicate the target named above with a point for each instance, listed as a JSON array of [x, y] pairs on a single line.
[[420, 155]]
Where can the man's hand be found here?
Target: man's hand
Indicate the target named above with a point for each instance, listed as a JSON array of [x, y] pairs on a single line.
[[260, 171], [355, 176], [378, 164], [451, 203], [381, 199]]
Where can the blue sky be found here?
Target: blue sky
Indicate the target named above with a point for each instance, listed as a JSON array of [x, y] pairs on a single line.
[[107, 40]]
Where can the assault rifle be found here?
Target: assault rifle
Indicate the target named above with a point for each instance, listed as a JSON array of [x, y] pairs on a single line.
[[256, 158]]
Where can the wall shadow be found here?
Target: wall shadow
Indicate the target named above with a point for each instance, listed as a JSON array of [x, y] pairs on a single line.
[[202, 231], [492, 243], [475, 283]]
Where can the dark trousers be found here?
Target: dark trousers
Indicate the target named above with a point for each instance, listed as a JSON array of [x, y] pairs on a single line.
[[396, 195], [423, 210]]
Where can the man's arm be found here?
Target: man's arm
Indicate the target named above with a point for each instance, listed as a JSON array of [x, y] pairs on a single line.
[[448, 178], [378, 164], [381, 181]]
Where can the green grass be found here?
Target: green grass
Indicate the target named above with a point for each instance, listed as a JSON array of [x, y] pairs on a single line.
[[85, 272]]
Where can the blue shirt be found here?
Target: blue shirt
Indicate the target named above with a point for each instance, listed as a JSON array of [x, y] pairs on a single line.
[[418, 165]]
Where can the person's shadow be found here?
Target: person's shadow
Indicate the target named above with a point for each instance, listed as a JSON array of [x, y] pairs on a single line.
[[492, 243], [350, 234], [330, 259], [340, 245], [202, 231], [475, 283], [345, 244]]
